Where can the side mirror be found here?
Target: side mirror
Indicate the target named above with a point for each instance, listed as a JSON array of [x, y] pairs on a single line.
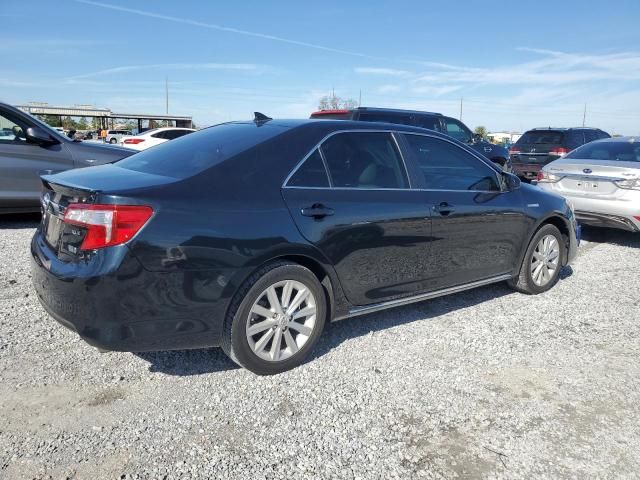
[[511, 182], [39, 136], [477, 138]]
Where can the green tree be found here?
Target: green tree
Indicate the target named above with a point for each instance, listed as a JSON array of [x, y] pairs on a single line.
[[482, 131], [83, 124]]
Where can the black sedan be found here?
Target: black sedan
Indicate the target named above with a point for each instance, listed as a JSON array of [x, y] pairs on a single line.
[[252, 235]]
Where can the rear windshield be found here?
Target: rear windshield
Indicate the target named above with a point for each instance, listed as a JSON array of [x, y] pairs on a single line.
[[542, 136], [191, 154], [617, 151]]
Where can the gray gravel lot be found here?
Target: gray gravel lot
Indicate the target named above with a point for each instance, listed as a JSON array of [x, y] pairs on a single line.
[[485, 384]]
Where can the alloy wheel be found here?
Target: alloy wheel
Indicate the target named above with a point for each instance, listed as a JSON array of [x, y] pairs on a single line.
[[545, 260], [281, 320]]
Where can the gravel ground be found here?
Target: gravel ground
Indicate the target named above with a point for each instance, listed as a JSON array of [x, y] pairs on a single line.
[[484, 384]]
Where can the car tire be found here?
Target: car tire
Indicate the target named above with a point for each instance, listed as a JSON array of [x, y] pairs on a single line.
[[255, 315], [539, 260], [113, 141]]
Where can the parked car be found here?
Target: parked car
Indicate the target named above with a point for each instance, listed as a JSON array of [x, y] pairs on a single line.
[[432, 121], [253, 235], [30, 148], [114, 136], [602, 180], [151, 138], [539, 146]]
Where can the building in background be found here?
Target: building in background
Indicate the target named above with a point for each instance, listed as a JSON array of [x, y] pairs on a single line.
[[504, 138]]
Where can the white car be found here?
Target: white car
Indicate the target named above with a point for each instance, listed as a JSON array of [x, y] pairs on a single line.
[[601, 180], [154, 137]]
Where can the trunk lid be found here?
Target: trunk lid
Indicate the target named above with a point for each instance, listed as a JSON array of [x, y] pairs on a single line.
[[103, 184], [592, 178]]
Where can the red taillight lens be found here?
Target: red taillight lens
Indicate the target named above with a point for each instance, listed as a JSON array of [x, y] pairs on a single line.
[[107, 225], [133, 141], [540, 176], [559, 151], [513, 150]]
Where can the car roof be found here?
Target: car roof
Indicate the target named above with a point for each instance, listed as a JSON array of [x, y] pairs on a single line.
[[375, 109], [560, 129], [395, 110], [337, 125], [630, 139]]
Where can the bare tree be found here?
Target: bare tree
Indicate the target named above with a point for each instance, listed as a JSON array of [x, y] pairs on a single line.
[[333, 102]]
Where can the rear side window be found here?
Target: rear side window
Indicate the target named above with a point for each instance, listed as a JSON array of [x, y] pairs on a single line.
[[427, 121], [198, 151], [364, 160], [311, 173], [446, 166], [401, 119]]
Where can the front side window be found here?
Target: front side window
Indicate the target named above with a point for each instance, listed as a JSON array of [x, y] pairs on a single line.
[[10, 131], [446, 166], [311, 173], [364, 160], [457, 130]]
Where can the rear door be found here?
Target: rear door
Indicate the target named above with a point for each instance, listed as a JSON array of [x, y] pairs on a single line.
[[22, 163], [534, 147], [478, 230], [352, 199]]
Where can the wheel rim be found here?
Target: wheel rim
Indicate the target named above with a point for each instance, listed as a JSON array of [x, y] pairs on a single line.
[[545, 260], [281, 320]]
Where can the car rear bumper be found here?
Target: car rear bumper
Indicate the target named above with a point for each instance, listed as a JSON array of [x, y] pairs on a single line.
[[528, 171], [606, 220], [619, 212], [113, 303]]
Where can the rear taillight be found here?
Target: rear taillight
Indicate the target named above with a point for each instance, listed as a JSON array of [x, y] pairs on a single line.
[[107, 225], [559, 151], [546, 177], [133, 141], [514, 151]]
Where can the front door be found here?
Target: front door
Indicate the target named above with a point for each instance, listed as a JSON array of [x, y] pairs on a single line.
[[22, 163], [363, 216], [478, 229]]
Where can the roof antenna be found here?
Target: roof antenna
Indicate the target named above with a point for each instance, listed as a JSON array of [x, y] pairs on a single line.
[[260, 117]]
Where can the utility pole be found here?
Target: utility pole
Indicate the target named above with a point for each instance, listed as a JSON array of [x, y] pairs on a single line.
[[461, 108], [166, 90], [584, 115], [360, 98]]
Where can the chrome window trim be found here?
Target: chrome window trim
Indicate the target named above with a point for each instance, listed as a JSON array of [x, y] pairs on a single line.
[[357, 130]]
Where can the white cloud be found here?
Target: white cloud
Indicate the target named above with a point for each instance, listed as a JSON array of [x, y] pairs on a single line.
[[165, 66]]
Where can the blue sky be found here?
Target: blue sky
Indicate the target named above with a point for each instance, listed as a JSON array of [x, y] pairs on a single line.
[[517, 65]]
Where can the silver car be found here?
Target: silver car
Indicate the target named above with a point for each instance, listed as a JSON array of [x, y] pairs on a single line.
[[601, 180]]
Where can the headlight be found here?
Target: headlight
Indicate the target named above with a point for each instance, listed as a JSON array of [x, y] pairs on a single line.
[[629, 184]]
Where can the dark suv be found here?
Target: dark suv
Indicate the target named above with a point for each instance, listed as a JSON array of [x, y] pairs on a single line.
[[540, 146], [432, 121]]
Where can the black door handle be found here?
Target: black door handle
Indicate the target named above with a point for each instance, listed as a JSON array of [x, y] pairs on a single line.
[[317, 210], [444, 208]]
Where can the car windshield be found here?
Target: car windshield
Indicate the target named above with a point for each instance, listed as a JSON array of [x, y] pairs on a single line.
[[193, 153], [539, 137], [617, 151]]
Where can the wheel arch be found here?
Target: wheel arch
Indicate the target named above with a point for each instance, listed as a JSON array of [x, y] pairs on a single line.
[[560, 222]]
